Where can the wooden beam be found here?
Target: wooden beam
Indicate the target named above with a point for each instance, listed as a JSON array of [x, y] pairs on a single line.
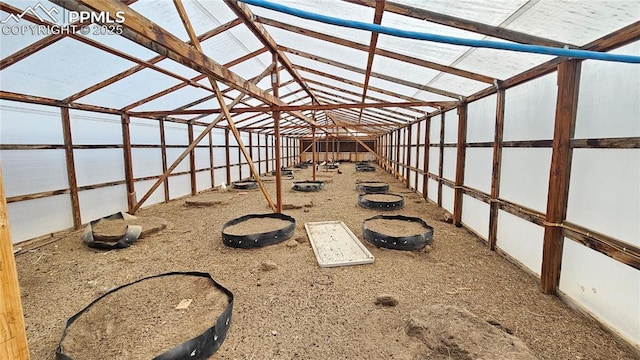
[[275, 80], [211, 160], [150, 35], [441, 161], [373, 43], [227, 157], [71, 167], [496, 170], [192, 161], [464, 24], [460, 165], [128, 163], [558, 194], [425, 176], [13, 337], [407, 145], [165, 182], [385, 53]]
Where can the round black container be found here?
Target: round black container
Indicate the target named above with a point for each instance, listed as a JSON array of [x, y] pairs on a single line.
[[245, 185], [258, 239], [373, 187], [308, 186], [391, 202], [412, 242]]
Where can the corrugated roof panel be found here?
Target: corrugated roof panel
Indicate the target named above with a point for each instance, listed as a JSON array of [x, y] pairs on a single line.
[[403, 70], [163, 13], [57, 71], [231, 45], [501, 64], [406, 90], [206, 15], [577, 25], [326, 68], [174, 99], [457, 84], [130, 89]]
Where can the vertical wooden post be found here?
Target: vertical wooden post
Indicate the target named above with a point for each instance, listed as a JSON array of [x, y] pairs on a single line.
[[415, 179], [441, 161], [259, 155], [333, 148], [275, 86], [266, 152], [326, 150], [566, 109], [407, 146], [313, 151], [163, 149], [427, 147], [251, 148], [460, 164], [128, 163], [211, 159], [192, 160], [13, 338], [71, 167], [227, 156], [397, 157], [497, 166]]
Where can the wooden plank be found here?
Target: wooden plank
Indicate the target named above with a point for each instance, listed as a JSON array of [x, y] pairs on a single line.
[[460, 165], [211, 160], [417, 152], [464, 24], [425, 176], [441, 161], [566, 109], [362, 47], [496, 170], [13, 337], [334, 244], [275, 80], [408, 154], [128, 163], [606, 143], [71, 168], [227, 155], [377, 19], [192, 161], [626, 253]]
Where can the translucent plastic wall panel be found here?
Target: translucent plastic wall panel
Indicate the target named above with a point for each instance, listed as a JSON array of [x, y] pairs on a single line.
[[434, 160], [603, 286], [232, 140], [447, 198], [481, 119], [412, 179], [33, 218], [530, 108], [22, 123], [608, 101], [176, 134], [179, 186], [450, 160], [98, 166], [89, 128], [419, 159], [58, 79], [202, 158], [220, 176], [246, 171], [475, 214], [432, 187], [420, 185], [478, 167], [434, 131], [33, 171], [146, 162], [97, 203], [263, 152], [218, 136], [521, 239], [524, 177], [142, 187], [144, 132], [172, 155], [203, 180], [451, 127], [234, 156], [235, 173], [604, 192]]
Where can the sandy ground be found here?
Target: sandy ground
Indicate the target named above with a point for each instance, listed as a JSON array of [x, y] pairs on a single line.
[[299, 310]]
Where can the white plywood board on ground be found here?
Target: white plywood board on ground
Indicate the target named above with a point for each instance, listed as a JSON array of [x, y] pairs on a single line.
[[335, 245]]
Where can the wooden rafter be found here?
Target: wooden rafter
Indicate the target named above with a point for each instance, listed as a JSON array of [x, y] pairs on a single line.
[[377, 19], [385, 53], [464, 24]]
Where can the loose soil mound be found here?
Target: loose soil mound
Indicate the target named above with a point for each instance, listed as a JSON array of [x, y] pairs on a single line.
[[395, 228], [448, 332], [113, 230], [256, 226], [140, 321], [209, 199]]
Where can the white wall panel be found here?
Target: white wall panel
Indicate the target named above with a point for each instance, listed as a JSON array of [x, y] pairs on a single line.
[[179, 186], [451, 127], [97, 166], [521, 239], [173, 154], [603, 286], [144, 131], [434, 160], [608, 101], [146, 162], [449, 166], [246, 171], [434, 131], [23, 123], [219, 157], [23, 171], [419, 159], [524, 177], [175, 134], [529, 112], [475, 214], [220, 176], [447, 198], [89, 128], [97, 203], [478, 166], [481, 118], [203, 180], [141, 188], [53, 213], [604, 192], [202, 158], [432, 187], [234, 156]]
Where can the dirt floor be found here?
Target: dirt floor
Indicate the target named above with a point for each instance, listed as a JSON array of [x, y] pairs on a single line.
[[287, 307]]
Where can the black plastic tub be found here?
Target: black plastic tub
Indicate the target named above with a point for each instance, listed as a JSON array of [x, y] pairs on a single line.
[[245, 185], [130, 236], [283, 172], [308, 185], [372, 187], [259, 239], [200, 347], [384, 239], [383, 202], [365, 168]]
